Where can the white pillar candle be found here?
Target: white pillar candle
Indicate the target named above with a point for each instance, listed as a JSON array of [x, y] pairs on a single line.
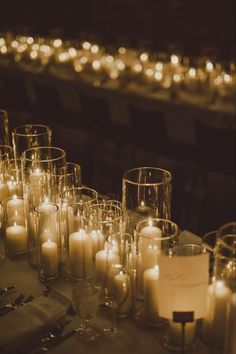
[[16, 238], [16, 219], [150, 285], [4, 191], [15, 204], [49, 258], [218, 296], [123, 292], [230, 338], [103, 261], [80, 253], [175, 333], [97, 238], [147, 234]]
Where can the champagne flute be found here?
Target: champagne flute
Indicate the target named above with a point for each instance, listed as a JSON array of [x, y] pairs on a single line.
[[86, 301]]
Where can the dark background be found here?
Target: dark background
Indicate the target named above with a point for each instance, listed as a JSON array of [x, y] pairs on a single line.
[[196, 27]]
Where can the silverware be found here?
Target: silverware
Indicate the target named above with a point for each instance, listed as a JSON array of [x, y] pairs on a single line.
[[12, 305], [56, 341]]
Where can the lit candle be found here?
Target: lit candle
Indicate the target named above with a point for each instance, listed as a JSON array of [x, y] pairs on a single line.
[[4, 191], [144, 210], [16, 238], [103, 261], [80, 253], [15, 204], [49, 258], [230, 338], [150, 285], [17, 219], [151, 231], [149, 245], [123, 293], [214, 323]]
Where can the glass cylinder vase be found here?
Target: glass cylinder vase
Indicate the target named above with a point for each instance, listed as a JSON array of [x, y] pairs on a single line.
[[47, 229], [39, 167], [146, 192]]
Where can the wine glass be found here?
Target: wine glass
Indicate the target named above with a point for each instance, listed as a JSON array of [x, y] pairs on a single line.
[[86, 301]]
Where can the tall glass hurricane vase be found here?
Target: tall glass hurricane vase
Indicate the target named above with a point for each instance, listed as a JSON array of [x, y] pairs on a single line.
[[29, 136], [40, 165], [146, 192]]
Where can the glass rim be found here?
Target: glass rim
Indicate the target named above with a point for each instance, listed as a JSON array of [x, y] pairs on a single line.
[[48, 130], [168, 173], [162, 238], [221, 239], [76, 165], [116, 218], [56, 208], [53, 148], [122, 234], [79, 188], [188, 246]]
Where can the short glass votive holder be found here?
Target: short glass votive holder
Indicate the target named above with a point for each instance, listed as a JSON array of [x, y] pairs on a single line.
[[15, 234], [152, 238], [48, 240]]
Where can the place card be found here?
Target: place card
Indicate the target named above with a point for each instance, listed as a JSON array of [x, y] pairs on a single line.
[[183, 283]]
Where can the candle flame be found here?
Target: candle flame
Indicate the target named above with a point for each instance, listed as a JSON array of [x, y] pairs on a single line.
[[150, 223]]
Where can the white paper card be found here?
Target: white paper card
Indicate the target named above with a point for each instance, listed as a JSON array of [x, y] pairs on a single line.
[[183, 285]]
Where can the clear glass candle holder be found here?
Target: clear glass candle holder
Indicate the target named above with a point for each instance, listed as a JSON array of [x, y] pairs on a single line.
[[146, 192], [48, 240], [152, 238], [77, 245], [29, 136], [218, 327], [4, 128], [40, 165], [118, 273], [15, 234]]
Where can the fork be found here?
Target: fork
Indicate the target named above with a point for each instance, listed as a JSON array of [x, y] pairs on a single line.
[[12, 305]]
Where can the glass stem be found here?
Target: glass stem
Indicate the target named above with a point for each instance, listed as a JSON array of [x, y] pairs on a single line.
[[113, 309]]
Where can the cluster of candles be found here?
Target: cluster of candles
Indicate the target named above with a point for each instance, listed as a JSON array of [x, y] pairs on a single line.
[[162, 71], [76, 233]]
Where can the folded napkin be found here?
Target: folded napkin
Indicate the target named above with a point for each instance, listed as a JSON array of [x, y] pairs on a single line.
[[186, 236], [29, 320]]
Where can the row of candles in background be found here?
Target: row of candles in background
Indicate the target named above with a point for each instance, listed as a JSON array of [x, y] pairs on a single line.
[[131, 248], [160, 71]]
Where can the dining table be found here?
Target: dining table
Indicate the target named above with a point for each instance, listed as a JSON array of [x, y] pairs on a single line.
[[130, 337]]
